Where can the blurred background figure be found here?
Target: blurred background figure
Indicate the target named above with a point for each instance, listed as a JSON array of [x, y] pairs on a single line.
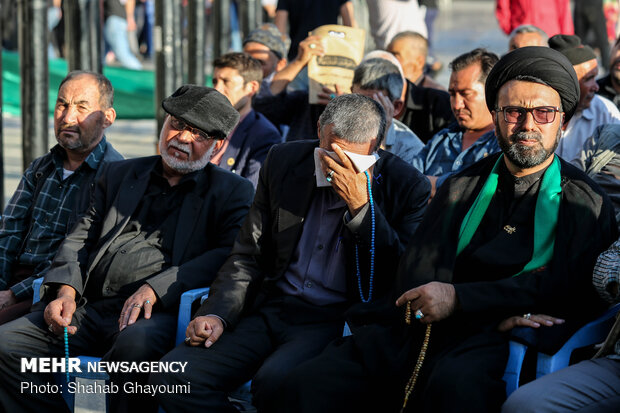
[[609, 85], [526, 35], [119, 24], [389, 17], [552, 16], [591, 27], [303, 16], [269, 10]]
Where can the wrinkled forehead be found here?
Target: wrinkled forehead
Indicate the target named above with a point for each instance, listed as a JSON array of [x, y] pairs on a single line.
[[527, 93]]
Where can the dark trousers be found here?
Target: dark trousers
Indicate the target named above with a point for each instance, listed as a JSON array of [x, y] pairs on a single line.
[[97, 335], [588, 16], [463, 375], [15, 311], [20, 273], [264, 347]]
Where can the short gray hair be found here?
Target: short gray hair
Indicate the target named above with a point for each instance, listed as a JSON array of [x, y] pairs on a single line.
[[356, 118], [528, 28], [379, 74]]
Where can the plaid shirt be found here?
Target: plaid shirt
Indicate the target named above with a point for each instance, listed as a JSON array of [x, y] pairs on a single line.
[[606, 272], [42, 234]]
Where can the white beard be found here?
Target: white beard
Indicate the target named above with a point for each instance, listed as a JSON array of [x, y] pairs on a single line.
[[179, 165]]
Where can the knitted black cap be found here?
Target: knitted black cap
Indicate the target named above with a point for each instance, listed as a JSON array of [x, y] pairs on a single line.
[[571, 47]]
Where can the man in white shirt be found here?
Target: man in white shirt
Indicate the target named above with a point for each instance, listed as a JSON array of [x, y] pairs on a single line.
[[593, 110]]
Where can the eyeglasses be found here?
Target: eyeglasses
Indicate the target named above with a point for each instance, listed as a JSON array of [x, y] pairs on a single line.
[[541, 114], [197, 134]]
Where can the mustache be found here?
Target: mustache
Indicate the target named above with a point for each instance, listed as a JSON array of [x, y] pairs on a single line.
[[526, 136], [70, 128], [184, 147]]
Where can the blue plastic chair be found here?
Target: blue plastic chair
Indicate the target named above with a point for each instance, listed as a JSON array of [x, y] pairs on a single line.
[[36, 287], [592, 333], [185, 313]]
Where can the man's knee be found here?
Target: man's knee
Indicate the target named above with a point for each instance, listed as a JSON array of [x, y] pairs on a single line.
[[13, 338], [139, 342], [522, 401]]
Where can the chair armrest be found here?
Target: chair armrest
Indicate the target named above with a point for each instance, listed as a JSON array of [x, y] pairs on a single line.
[[513, 367], [592, 333], [185, 310], [36, 287]]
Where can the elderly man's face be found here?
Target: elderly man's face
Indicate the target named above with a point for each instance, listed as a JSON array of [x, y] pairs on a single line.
[[525, 39], [79, 118], [467, 98], [268, 59], [527, 143], [586, 73], [183, 151]]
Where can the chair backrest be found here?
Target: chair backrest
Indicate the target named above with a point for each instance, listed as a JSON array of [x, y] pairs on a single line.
[[592, 333]]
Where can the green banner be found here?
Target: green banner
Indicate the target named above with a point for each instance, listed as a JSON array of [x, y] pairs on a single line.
[[134, 90]]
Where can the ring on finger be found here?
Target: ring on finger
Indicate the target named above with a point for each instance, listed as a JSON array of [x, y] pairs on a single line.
[[332, 95], [137, 306], [51, 328], [419, 314], [330, 176], [147, 302], [527, 316], [312, 46], [187, 340]]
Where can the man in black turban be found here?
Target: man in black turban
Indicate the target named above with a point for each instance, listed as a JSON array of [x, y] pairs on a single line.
[[156, 227], [516, 233]]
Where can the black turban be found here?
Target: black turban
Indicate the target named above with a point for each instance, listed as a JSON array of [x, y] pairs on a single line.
[[548, 65]]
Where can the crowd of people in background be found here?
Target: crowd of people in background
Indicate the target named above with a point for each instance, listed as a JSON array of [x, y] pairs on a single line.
[[394, 204]]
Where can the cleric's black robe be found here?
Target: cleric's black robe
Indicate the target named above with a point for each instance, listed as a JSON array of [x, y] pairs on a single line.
[[388, 348]]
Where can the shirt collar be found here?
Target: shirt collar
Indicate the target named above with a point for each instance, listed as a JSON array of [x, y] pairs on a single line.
[[190, 178], [93, 159]]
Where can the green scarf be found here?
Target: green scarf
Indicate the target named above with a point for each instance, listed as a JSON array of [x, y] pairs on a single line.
[[545, 216]]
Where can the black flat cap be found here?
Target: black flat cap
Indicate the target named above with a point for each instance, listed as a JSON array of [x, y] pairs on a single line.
[[543, 64], [204, 108]]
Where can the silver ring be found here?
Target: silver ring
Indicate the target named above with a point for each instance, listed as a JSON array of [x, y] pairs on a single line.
[[137, 306], [147, 302], [332, 95], [329, 176], [187, 339], [312, 46], [51, 328], [419, 314], [527, 316]]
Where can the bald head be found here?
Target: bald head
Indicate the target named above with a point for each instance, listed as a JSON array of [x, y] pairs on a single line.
[[411, 49]]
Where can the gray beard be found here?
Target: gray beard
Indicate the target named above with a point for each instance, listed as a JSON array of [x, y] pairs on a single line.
[[526, 157], [181, 166]]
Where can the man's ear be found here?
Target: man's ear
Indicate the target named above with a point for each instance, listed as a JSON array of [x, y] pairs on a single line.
[[252, 87], [281, 64], [399, 106], [109, 117], [217, 146]]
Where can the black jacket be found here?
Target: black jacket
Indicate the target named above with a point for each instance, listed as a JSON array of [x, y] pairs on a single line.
[[269, 236], [209, 219]]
